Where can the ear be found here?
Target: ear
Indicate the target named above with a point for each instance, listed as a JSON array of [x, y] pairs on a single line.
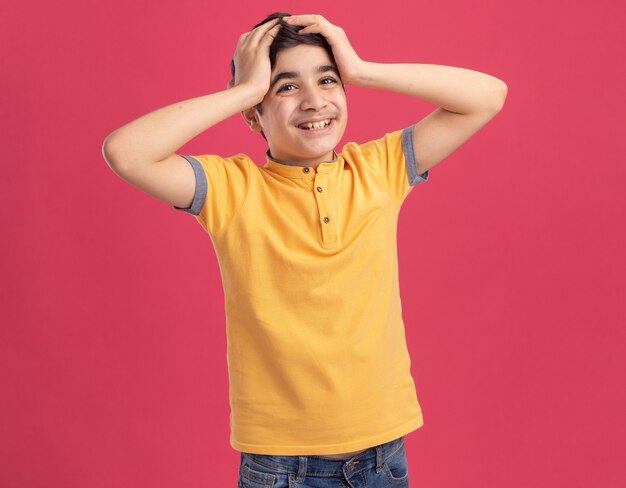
[[252, 119]]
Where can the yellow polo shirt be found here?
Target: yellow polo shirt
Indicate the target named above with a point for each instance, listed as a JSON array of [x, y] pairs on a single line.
[[317, 356]]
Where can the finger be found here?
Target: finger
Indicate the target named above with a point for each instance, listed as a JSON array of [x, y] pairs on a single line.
[[262, 30], [304, 19], [311, 29], [329, 32], [242, 38], [270, 35]]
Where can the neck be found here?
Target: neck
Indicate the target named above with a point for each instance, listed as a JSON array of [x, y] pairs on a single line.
[[314, 163]]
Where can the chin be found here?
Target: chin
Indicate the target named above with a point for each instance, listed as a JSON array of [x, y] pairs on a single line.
[[321, 149]]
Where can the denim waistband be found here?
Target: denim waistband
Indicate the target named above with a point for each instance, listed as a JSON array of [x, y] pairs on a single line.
[[314, 465]]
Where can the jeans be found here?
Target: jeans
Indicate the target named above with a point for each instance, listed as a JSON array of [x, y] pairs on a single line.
[[380, 466]]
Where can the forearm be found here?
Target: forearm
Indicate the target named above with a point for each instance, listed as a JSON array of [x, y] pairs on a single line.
[[160, 133], [458, 90]]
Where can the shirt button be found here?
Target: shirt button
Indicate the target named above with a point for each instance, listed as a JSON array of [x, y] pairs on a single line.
[[326, 220], [305, 170], [319, 188]]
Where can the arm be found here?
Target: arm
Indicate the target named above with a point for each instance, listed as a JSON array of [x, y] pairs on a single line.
[[457, 90], [142, 152], [155, 136], [467, 99]]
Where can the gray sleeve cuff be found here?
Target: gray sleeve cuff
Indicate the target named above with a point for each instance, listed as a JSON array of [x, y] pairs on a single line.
[[201, 187], [409, 157]]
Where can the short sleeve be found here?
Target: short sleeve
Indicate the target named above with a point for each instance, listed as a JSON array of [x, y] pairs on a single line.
[[221, 188], [394, 156]]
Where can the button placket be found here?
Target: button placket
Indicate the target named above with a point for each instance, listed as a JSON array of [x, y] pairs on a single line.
[[325, 206]]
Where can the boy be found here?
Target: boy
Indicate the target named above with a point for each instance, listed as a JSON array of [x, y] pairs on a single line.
[[319, 372]]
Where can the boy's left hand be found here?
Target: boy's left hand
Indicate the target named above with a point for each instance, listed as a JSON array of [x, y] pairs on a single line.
[[350, 65]]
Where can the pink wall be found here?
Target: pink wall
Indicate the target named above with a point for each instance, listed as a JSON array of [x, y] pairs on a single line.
[[512, 257]]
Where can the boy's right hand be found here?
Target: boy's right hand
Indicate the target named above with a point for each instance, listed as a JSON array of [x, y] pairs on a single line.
[[252, 60]]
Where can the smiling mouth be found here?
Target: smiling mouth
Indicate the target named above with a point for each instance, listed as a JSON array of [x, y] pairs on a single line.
[[315, 126]]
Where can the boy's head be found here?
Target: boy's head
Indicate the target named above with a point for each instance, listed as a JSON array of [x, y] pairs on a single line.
[[286, 37], [306, 92]]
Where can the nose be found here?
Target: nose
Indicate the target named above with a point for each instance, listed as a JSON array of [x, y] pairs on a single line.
[[312, 98]]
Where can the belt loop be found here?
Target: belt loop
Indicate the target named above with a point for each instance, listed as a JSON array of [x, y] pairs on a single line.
[[379, 458], [302, 465]]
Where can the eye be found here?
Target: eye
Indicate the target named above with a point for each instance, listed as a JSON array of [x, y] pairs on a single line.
[[284, 87], [330, 80]]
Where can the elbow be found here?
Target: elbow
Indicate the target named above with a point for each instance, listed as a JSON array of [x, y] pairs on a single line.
[[501, 97], [494, 96], [111, 155], [107, 151]]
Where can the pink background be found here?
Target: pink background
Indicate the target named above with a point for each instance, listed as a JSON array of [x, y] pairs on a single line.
[[512, 257]]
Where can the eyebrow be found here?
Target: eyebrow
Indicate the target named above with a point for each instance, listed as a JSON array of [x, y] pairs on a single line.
[[289, 75]]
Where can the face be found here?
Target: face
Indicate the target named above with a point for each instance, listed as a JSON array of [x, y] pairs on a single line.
[[305, 88]]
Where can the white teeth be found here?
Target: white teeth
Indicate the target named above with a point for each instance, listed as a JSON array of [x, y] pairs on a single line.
[[315, 125]]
